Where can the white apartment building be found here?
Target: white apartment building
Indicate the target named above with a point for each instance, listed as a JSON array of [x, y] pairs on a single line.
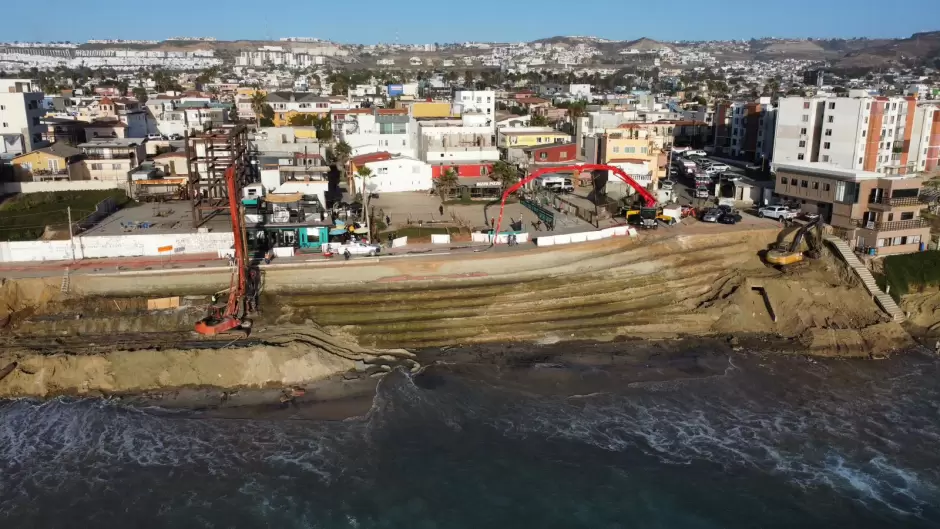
[[373, 132], [21, 112], [890, 135], [482, 101], [112, 159], [397, 175], [467, 140]]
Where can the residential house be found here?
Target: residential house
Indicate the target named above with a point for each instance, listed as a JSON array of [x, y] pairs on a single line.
[[21, 112], [106, 128], [289, 104], [112, 159], [876, 213], [173, 164], [58, 161], [371, 130], [639, 156], [65, 130], [467, 140], [520, 137], [532, 158], [395, 175]]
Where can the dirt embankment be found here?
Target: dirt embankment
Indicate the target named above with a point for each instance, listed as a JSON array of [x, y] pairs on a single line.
[[103, 339]]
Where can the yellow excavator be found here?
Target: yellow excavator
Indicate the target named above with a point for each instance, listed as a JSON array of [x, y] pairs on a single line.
[[787, 257]]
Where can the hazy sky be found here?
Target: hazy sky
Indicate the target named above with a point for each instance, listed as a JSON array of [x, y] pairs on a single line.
[[425, 21]]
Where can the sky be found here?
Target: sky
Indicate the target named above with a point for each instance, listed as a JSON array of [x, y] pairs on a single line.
[[428, 21]]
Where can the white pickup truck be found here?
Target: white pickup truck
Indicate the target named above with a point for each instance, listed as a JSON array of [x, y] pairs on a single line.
[[354, 248], [776, 212]]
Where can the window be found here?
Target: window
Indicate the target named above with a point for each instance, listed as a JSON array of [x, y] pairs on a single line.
[[825, 158], [538, 139], [617, 149], [908, 215], [802, 132], [826, 145], [805, 104], [2, 107], [487, 99], [96, 167], [802, 143], [805, 118], [804, 183], [816, 186], [783, 180], [864, 133], [831, 119], [543, 156], [894, 106], [5, 124], [115, 166], [828, 132], [793, 181], [832, 106], [629, 150], [825, 187], [563, 155], [867, 106], [861, 160], [415, 169], [644, 150], [800, 156]]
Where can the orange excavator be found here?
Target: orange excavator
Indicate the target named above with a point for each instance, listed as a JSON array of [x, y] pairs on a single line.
[[243, 290]]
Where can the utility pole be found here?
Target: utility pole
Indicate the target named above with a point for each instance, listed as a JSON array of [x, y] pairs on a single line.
[[71, 241]]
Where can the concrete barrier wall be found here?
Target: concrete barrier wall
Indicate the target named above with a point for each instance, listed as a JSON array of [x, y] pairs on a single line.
[[95, 247], [570, 238], [478, 236], [287, 251], [77, 185], [399, 242], [441, 238]]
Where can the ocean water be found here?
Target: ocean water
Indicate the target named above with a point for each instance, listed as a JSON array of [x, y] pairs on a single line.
[[768, 443]]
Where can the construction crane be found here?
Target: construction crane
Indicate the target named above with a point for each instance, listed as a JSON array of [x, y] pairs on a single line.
[[243, 288], [788, 257]]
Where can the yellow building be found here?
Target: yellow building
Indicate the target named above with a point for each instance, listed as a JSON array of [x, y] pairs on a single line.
[[58, 161], [530, 137], [429, 109], [641, 158]]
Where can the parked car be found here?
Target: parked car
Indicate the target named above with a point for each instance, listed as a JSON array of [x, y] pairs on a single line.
[[155, 137], [731, 177], [712, 215], [701, 192], [695, 152], [810, 216], [357, 248], [176, 137], [729, 218], [776, 212], [720, 167]]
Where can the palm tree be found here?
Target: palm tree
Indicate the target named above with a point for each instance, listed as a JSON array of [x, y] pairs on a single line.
[[446, 182], [258, 101], [505, 173], [342, 153], [365, 173]]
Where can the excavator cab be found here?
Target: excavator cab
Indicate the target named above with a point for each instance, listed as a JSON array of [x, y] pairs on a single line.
[[788, 257]]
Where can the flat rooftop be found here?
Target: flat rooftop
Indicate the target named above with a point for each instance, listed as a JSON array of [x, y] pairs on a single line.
[[163, 218], [113, 142], [838, 173]]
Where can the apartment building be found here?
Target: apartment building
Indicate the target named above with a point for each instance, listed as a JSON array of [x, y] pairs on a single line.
[[21, 112], [640, 157], [289, 104], [745, 129], [112, 159], [468, 140], [876, 213], [482, 101], [888, 135], [370, 130]]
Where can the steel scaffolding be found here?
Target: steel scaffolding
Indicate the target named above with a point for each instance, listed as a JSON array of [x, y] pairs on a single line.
[[208, 155]]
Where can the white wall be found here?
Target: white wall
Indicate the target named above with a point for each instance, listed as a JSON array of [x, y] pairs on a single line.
[[77, 185], [91, 247], [397, 175]]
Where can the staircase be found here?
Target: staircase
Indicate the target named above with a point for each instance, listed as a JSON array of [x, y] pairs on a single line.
[[884, 301], [65, 281]]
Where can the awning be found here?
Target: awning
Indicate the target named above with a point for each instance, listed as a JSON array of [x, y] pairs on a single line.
[[284, 198]]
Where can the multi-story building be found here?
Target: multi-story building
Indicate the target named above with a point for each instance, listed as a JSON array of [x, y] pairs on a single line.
[[520, 137], [455, 141], [639, 156], [885, 135], [745, 129], [58, 161], [21, 112], [874, 212], [482, 101], [112, 159], [288, 104], [372, 130]]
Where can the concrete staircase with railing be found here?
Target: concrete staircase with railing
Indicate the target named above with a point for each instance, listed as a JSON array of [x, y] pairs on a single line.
[[885, 301]]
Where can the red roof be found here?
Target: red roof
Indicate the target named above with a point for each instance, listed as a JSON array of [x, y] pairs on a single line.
[[393, 111], [531, 100], [371, 157], [106, 101]]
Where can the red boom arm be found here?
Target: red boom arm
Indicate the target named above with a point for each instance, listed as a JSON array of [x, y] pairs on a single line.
[[650, 201], [237, 291]]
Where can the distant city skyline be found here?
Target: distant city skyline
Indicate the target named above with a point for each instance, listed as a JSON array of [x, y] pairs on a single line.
[[427, 21]]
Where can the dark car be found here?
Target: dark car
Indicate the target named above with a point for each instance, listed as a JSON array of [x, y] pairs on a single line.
[[729, 218]]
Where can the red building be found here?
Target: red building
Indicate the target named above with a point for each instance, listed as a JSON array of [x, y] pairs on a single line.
[[558, 154]]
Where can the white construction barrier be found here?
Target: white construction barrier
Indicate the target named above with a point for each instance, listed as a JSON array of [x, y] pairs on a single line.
[[440, 238], [502, 239], [570, 238], [399, 242], [287, 251], [104, 246]]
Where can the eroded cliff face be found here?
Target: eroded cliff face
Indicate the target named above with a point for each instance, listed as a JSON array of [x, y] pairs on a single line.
[[324, 322]]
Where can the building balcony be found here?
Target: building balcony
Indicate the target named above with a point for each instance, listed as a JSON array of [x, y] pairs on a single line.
[[116, 156], [898, 225], [883, 203]]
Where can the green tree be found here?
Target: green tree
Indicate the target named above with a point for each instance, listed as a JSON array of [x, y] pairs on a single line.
[[538, 120], [446, 183], [140, 93], [259, 100], [302, 120], [342, 153], [324, 128], [505, 173], [267, 116], [468, 79]]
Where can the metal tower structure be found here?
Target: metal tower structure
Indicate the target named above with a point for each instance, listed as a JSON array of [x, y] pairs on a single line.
[[208, 155]]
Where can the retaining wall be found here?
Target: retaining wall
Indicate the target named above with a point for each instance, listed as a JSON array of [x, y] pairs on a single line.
[[93, 247]]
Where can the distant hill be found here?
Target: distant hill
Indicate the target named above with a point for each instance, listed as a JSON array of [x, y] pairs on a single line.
[[918, 49], [646, 44]]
